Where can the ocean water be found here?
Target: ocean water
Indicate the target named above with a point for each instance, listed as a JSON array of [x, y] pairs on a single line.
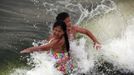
[[28, 22]]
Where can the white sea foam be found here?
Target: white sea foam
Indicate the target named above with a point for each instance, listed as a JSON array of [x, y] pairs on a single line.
[[120, 51]]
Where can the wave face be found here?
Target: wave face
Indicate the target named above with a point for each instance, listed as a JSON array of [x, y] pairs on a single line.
[[23, 22]]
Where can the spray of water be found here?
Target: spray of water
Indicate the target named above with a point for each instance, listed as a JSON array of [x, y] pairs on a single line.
[[119, 51], [42, 64], [83, 55], [102, 8]]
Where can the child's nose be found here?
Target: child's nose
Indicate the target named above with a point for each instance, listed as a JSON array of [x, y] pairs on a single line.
[[56, 33]]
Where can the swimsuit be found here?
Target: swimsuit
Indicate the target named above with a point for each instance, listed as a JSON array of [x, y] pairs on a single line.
[[63, 62]]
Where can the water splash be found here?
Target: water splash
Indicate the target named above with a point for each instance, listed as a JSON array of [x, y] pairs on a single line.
[[78, 11], [101, 8], [119, 51], [82, 54], [42, 64]]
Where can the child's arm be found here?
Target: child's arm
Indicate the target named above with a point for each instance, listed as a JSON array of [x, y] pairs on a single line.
[[86, 32], [39, 48], [89, 34]]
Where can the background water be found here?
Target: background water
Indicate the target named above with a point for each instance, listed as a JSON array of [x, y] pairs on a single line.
[[23, 21]]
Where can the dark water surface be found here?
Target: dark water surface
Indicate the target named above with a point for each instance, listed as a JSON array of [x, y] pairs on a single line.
[[17, 30]]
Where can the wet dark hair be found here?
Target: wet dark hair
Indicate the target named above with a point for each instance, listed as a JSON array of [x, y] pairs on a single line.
[[64, 28], [62, 16]]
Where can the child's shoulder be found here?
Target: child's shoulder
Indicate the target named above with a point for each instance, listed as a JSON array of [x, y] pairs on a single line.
[[76, 27]]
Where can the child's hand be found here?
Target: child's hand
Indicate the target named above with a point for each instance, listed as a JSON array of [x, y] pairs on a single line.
[[97, 46], [24, 51]]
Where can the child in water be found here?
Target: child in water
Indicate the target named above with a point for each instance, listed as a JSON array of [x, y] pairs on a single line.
[[58, 47], [72, 30]]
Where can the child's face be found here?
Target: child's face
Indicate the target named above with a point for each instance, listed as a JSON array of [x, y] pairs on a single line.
[[58, 32], [68, 21]]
